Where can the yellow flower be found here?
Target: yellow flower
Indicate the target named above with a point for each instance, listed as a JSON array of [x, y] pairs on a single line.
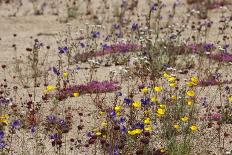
[[145, 90], [104, 123], [4, 119], [230, 98], [160, 112], [65, 74], [98, 133], [173, 84], [147, 121], [171, 79], [137, 104], [76, 94], [50, 88], [166, 75], [158, 89], [189, 102], [173, 97], [118, 108], [191, 93], [193, 127], [135, 132], [148, 128], [185, 119], [154, 99], [194, 80], [102, 113], [176, 126], [162, 106]]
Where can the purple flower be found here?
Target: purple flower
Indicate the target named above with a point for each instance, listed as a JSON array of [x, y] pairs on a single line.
[[127, 101], [82, 45], [134, 26], [2, 134], [95, 34], [2, 144], [145, 101], [33, 129], [54, 136], [16, 123], [55, 71], [63, 50]]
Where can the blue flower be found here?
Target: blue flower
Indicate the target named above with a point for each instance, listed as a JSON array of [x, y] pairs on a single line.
[[105, 46], [16, 123], [95, 34], [82, 45], [116, 26], [33, 129], [139, 125], [145, 101], [2, 144], [55, 71], [128, 101], [122, 120], [54, 136], [123, 129], [63, 50], [134, 26], [2, 134]]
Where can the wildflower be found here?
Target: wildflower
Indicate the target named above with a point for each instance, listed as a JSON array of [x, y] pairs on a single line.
[[160, 112], [158, 89], [171, 79], [230, 98], [154, 99], [95, 34], [162, 106], [76, 94], [2, 134], [104, 123], [173, 97], [63, 50], [137, 104], [147, 121], [98, 133], [134, 26], [102, 113], [4, 119], [55, 71], [166, 75], [193, 127], [194, 80], [135, 132], [189, 102], [173, 84], [145, 101], [118, 108], [148, 128], [176, 126], [191, 93], [65, 74], [185, 119], [145, 90], [127, 101], [2, 144], [49, 88], [16, 123]]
